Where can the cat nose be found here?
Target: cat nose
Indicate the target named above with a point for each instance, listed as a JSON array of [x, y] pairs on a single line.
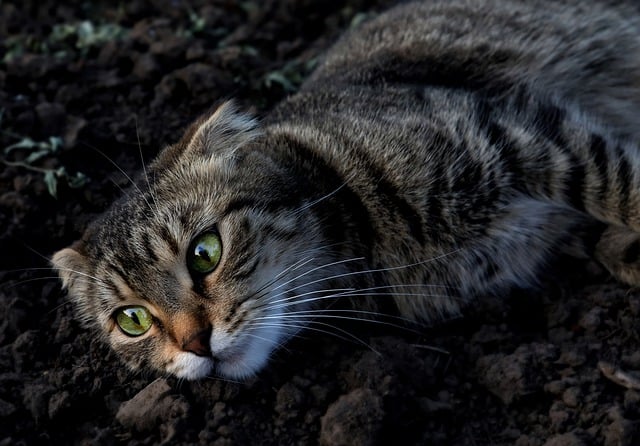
[[199, 343]]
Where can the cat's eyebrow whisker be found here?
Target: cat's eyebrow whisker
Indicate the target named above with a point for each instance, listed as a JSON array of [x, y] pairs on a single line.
[[80, 273], [133, 183], [34, 279], [318, 200], [144, 167]]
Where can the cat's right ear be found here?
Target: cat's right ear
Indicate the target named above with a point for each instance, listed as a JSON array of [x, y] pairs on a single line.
[[70, 264], [222, 131], [217, 133]]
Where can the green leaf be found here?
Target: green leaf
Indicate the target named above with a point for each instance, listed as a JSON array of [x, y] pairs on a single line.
[[55, 142], [51, 180], [276, 77], [77, 181], [35, 156], [24, 143]]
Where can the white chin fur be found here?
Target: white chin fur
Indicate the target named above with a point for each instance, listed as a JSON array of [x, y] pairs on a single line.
[[191, 367], [240, 359], [250, 354]]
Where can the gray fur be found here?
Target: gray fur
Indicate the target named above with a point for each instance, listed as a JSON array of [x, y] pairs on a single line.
[[442, 151]]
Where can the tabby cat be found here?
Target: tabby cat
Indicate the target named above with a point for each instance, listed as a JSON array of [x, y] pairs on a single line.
[[443, 151]]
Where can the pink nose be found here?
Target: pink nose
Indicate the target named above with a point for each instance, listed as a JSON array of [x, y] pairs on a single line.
[[199, 343]]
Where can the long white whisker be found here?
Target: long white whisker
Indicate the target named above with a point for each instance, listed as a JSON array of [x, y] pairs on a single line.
[[370, 271], [299, 264], [347, 291], [306, 327], [326, 265], [125, 174], [304, 317], [80, 273], [144, 168], [294, 300], [269, 302], [314, 202]]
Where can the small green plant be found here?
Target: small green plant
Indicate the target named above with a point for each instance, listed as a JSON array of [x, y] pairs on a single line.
[[86, 34], [36, 151], [63, 39], [290, 76]]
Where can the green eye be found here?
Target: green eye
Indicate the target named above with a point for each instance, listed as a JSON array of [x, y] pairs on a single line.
[[134, 321], [204, 253]]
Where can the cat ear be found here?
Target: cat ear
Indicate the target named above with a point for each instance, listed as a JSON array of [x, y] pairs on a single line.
[[70, 266], [223, 131]]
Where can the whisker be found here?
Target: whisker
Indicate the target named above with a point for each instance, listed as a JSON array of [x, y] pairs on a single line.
[[33, 279], [346, 310], [314, 317], [133, 183], [350, 336], [349, 291], [279, 345], [80, 273], [293, 267], [370, 271], [326, 265], [144, 167], [314, 202], [270, 302]]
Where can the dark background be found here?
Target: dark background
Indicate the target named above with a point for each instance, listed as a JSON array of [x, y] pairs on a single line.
[[113, 83]]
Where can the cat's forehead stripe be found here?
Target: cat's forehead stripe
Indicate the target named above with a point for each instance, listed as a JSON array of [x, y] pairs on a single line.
[[169, 239]]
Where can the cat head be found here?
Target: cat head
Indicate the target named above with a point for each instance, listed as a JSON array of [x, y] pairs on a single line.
[[195, 271]]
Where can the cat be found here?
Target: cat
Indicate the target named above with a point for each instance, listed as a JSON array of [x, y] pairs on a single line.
[[441, 151]]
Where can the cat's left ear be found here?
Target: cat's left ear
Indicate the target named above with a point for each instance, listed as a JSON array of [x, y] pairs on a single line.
[[223, 131], [70, 265]]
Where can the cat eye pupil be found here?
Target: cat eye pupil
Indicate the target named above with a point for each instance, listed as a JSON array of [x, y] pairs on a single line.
[[205, 252], [134, 320]]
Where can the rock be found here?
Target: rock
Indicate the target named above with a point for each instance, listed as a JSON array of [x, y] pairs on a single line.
[[571, 396], [354, 419], [6, 409], [512, 376], [52, 118], [152, 406], [289, 400], [621, 431], [569, 439], [36, 400], [58, 403], [24, 349]]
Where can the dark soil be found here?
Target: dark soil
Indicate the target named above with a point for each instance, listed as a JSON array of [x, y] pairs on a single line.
[[116, 83]]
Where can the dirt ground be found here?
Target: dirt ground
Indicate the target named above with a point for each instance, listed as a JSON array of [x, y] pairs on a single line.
[[86, 87]]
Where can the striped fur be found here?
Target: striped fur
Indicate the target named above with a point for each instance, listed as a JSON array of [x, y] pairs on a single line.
[[442, 151]]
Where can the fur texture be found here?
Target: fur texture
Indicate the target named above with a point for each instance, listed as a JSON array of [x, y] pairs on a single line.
[[442, 151]]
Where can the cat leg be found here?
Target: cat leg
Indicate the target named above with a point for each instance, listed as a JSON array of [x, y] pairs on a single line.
[[618, 250], [517, 245]]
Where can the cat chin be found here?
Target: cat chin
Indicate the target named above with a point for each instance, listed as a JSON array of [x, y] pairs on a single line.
[[240, 361], [191, 367], [247, 357]]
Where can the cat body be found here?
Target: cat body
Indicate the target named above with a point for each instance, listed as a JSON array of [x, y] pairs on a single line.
[[442, 151]]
